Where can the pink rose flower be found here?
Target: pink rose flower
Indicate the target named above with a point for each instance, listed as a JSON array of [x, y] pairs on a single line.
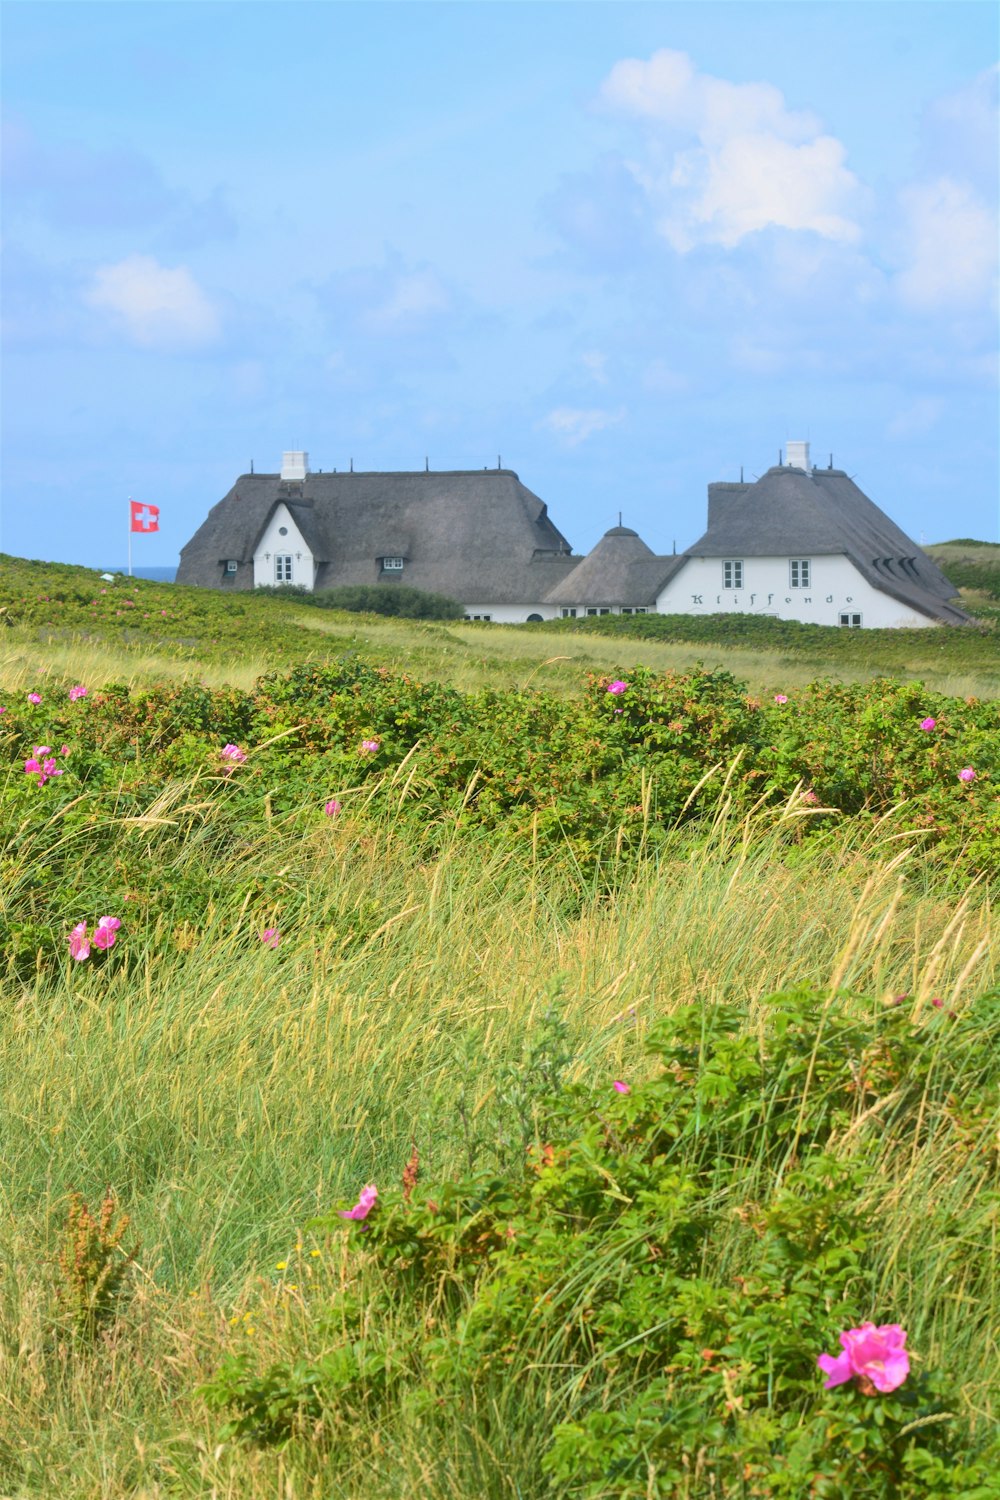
[[233, 753], [621, 1088], [928, 724], [332, 808], [364, 1205], [781, 697], [369, 747], [967, 774], [874, 1357], [617, 687], [79, 947], [34, 697], [270, 937], [77, 692], [106, 931]]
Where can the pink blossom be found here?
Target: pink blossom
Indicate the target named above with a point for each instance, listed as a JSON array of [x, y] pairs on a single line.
[[105, 932], [937, 1002], [874, 1357], [967, 774], [2, 709], [928, 724], [64, 750], [370, 747], [364, 1205], [78, 692], [45, 768], [34, 697], [809, 796], [270, 937], [332, 808], [617, 686], [79, 946], [781, 697], [233, 753], [621, 1088]]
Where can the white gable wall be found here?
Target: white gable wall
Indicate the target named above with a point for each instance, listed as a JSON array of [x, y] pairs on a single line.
[[835, 587], [273, 545]]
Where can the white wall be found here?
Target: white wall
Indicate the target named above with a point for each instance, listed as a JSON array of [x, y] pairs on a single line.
[[512, 614], [272, 542], [836, 586]]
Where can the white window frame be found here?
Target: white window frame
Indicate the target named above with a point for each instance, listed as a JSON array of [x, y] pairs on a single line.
[[486, 618], [392, 564], [231, 566], [799, 573], [282, 567], [637, 609], [599, 610], [732, 573], [569, 614], [850, 619]]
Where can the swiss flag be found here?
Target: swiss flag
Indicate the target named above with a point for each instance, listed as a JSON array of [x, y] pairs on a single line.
[[144, 517]]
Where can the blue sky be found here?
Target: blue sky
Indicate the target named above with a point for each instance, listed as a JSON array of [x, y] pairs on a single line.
[[628, 248]]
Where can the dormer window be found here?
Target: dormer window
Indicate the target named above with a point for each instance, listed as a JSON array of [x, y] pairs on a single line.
[[231, 565], [392, 565]]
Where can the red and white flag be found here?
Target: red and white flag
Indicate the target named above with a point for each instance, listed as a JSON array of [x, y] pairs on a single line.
[[144, 517]]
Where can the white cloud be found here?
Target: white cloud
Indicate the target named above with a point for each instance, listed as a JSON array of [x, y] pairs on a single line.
[[160, 307], [574, 425], [595, 364], [917, 418], [413, 298], [728, 159], [949, 239]]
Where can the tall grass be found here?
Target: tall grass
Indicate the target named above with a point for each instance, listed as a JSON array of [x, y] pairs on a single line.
[[227, 1092]]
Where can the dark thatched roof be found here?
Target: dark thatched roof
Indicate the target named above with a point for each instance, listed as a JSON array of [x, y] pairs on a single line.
[[621, 570], [790, 511], [477, 535]]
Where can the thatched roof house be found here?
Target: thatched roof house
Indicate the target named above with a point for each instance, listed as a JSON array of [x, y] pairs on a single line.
[[799, 543]]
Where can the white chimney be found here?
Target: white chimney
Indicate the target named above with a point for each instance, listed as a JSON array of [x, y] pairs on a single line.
[[294, 465], [797, 456]]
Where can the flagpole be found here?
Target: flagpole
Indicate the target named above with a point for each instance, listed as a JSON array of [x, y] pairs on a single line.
[[130, 536]]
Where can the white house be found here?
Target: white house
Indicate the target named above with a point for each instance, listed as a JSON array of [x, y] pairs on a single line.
[[798, 543]]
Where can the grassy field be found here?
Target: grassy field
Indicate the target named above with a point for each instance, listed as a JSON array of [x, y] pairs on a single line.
[[64, 621], [472, 994]]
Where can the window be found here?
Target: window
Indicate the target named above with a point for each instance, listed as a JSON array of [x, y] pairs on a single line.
[[851, 620], [638, 610], [798, 570], [732, 575], [392, 565], [479, 617], [598, 611], [283, 567], [569, 614], [231, 565]]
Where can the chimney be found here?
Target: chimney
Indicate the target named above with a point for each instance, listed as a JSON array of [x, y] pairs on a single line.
[[294, 465], [798, 456]]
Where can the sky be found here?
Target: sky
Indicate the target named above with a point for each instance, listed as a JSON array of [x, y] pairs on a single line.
[[624, 249]]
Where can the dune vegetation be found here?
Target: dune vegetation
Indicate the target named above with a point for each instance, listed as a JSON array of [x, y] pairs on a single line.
[[466, 1062]]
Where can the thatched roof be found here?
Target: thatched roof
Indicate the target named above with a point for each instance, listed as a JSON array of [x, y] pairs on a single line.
[[791, 512], [621, 570], [477, 535]]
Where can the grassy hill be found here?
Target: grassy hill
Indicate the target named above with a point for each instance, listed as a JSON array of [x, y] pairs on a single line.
[[63, 619], [973, 567]]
